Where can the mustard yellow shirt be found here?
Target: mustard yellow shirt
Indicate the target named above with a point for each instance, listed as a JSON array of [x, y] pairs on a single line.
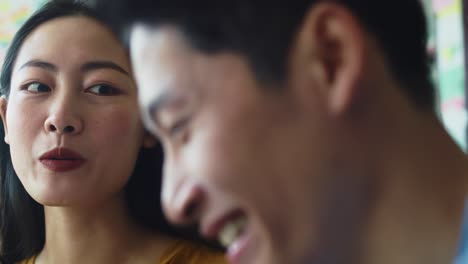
[[180, 253]]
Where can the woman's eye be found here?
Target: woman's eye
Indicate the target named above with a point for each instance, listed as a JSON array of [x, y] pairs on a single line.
[[104, 89], [37, 88]]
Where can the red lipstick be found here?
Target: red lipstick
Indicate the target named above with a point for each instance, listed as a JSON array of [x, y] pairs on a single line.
[[61, 160]]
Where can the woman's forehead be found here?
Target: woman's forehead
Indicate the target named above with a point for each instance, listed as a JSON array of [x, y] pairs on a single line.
[[72, 39]]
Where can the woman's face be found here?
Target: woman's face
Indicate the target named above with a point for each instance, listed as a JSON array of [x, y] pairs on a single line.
[[71, 119]]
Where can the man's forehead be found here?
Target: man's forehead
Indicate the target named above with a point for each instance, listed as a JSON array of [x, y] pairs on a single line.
[[149, 92], [158, 53], [161, 39], [157, 57]]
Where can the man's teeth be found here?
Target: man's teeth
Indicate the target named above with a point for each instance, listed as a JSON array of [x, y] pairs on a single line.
[[231, 231]]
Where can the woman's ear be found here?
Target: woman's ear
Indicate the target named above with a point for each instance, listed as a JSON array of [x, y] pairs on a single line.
[[149, 140], [3, 106]]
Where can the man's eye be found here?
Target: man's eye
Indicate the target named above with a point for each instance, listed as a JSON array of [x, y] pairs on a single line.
[[178, 127], [37, 88], [103, 89]]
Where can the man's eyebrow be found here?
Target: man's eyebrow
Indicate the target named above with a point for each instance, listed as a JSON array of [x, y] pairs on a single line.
[[95, 65], [157, 104], [40, 64]]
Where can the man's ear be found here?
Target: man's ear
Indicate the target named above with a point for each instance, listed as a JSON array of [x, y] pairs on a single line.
[[3, 106], [330, 49], [149, 140]]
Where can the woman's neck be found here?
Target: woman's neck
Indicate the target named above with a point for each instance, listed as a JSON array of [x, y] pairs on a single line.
[[98, 234]]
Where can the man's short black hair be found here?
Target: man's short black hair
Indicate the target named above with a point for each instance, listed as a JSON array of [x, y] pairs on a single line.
[[263, 32]]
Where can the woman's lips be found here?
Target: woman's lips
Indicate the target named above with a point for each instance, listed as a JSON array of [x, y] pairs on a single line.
[[61, 160], [62, 165]]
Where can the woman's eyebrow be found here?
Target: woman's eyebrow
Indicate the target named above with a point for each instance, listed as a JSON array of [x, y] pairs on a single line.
[[95, 65], [88, 66], [40, 64]]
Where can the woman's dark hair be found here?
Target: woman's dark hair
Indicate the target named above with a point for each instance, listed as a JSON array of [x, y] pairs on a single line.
[[22, 226]]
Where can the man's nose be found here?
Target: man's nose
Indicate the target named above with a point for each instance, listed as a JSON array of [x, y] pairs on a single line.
[[182, 198]]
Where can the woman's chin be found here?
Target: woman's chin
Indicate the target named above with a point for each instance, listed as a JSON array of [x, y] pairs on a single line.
[[56, 200]]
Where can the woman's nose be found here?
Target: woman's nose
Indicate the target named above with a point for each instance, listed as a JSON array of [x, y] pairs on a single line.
[[62, 120], [66, 129]]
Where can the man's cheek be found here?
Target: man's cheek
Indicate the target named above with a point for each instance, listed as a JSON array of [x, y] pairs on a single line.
[[207, 158]]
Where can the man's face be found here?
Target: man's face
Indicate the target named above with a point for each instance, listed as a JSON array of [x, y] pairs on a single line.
[[249, 163]]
